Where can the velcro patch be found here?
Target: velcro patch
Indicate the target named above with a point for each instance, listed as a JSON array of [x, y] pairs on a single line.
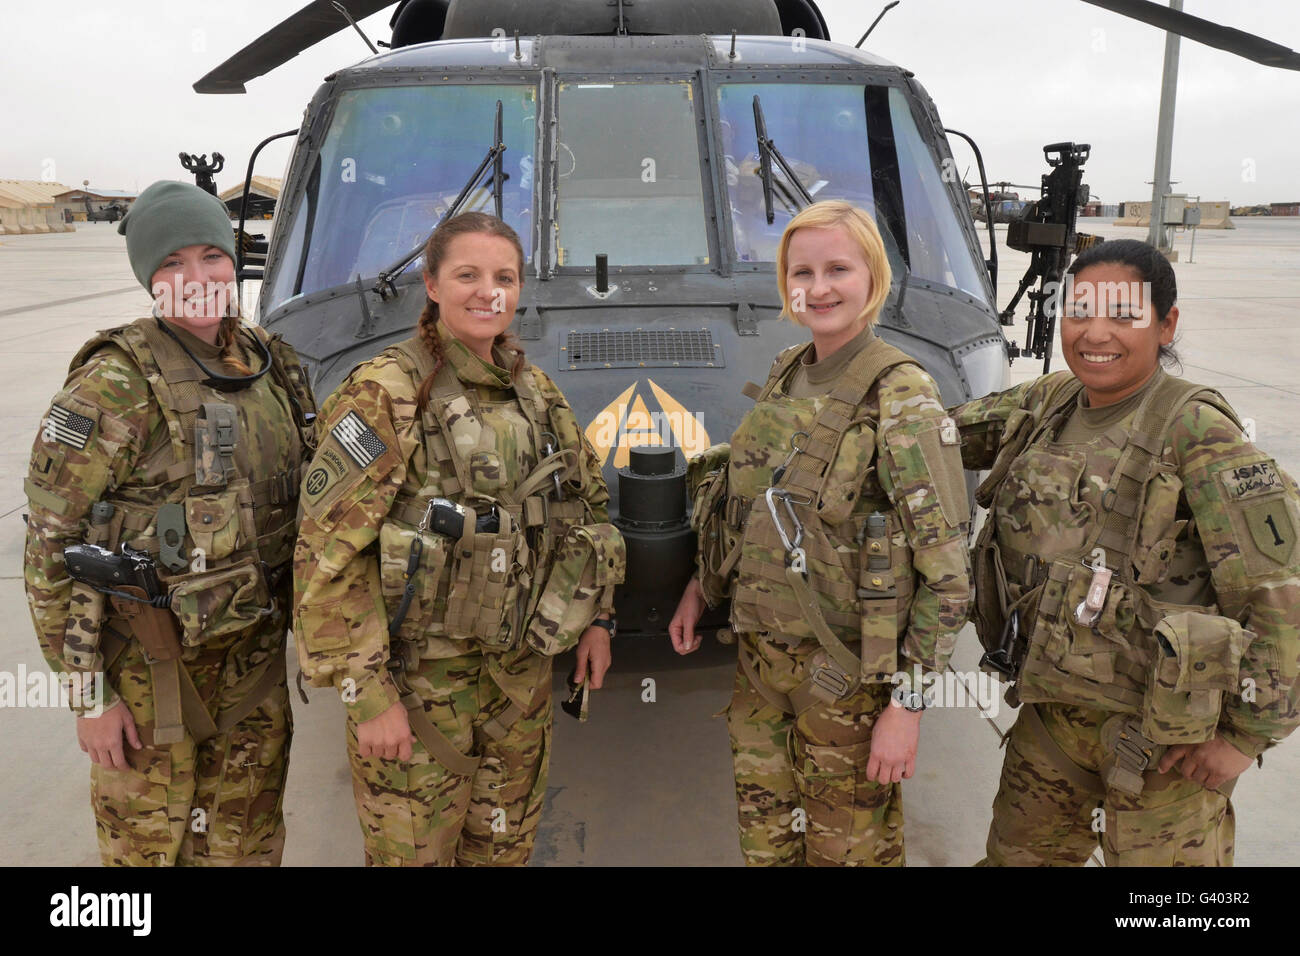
[[1271, 528], [358, 439], [1251, 481], [67, 426]]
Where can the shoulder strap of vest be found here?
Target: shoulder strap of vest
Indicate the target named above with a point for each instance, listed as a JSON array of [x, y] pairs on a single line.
[[102, 337], [289, 374], [810, 467], [414, 359], [531, 404], [1056, 407], [785, 360], [1124, 496]]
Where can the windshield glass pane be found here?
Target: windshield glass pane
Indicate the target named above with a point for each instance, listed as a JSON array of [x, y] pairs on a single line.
[[936, 244], [392, 163], [830, 134], [628, 175], [821, 130]]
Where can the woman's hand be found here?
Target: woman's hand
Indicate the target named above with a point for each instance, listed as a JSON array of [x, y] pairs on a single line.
[[593, 649], [387, 736], [893, 745], [689, 611], [101, 736], [1211, 764]]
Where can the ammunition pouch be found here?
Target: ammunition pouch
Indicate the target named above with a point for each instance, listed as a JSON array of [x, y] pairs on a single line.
[[590, 562], [1197, 661], [489, 570], [883, 608], [221, 523]]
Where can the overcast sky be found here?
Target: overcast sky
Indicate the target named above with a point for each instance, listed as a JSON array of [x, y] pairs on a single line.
[[102, 90]]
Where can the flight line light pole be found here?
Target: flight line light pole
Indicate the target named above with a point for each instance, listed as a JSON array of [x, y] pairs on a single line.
[[1158, 233]]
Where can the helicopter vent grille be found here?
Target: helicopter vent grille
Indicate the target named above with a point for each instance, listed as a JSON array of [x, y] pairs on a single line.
[[641, 348]]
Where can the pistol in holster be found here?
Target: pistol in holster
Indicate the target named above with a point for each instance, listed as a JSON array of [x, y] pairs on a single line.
[[130, 580]]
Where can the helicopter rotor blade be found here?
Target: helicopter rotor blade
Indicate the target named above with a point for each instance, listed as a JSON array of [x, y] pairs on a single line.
[[1204, 31], [315, 22]]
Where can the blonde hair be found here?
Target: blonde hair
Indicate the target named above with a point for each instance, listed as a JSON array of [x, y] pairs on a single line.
[[838, 213]]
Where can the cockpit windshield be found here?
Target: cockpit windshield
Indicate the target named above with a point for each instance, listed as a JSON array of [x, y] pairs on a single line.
[[628, 175], [393, 161], [843, 141]]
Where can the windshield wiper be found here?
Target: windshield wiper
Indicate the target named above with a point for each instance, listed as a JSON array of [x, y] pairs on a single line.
[[384, 281], [767, 152]]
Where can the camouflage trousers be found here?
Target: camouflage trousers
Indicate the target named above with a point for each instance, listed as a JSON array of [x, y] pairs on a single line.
[[215, 803], [422, 814], [1040, 818], [802, 791]]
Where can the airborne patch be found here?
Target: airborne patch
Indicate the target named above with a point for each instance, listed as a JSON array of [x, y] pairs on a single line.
[[67, 426], [358, 439], [1250, 481]]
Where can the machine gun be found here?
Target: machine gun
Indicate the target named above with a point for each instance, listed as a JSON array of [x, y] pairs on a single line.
[[130, 580], [1046, 232]]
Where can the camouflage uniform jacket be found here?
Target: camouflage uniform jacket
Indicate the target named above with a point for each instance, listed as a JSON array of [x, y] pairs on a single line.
[[895, 457], [360, 512], [107, 438], [1216, 535]]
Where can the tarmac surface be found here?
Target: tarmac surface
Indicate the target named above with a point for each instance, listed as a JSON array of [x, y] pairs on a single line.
[[648, 779]]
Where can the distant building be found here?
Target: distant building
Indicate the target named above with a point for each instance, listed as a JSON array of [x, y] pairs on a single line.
[[1284, 209], [75, 201], [28, 206], [263, 192]]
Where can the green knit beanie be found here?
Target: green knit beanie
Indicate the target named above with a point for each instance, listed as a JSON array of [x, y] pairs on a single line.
[[169, 216]]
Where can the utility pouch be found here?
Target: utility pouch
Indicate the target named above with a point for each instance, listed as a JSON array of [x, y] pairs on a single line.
[[221, 523], [215, 604], [590, 562], [878, 598], [1197, 660], [706, 481], [1083, 650], [155, 628], [990, 582], [427, 610], [485, 584]]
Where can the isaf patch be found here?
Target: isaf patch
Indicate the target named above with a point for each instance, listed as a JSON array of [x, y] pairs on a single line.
[[66, 426], [358, 439], [1251, 481]]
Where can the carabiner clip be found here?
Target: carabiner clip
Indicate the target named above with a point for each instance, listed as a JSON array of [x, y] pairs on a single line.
[[771, 495]]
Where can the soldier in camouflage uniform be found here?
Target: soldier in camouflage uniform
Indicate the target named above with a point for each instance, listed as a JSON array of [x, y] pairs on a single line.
[[438, 627], [1138, 574], [167, 437], [835, 620]]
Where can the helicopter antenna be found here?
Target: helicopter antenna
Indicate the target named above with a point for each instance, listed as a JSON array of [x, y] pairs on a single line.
[[622, 27], [888, 7], [347, 16]]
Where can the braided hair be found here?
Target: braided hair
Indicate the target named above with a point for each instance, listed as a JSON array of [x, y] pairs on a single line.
[[435, 250]]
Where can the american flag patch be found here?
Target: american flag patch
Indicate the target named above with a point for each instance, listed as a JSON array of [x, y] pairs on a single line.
[[68, 427], [358, 439]]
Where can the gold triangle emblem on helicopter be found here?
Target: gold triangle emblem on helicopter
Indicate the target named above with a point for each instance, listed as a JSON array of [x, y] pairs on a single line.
[[628, 422]]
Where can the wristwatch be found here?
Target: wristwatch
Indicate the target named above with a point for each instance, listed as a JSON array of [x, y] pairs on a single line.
[[911, 701], [608, 623]]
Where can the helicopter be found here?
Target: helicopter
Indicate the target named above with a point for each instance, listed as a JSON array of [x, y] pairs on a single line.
[[649, 154]]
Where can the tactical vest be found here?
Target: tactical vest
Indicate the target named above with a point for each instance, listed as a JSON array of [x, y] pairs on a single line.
[[853, 583], [222, 540], [486, 586], [1062, 514]]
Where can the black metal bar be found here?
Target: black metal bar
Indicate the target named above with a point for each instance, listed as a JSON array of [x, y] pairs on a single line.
[[243, 202]]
